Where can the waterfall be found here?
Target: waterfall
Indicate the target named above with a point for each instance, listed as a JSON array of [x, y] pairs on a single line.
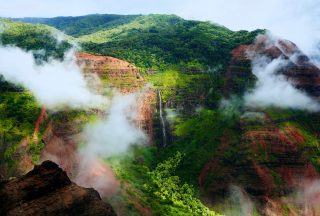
[[162, 120]]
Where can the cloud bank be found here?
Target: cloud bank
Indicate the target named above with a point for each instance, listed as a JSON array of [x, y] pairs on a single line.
[[274, 89], [54, 84]]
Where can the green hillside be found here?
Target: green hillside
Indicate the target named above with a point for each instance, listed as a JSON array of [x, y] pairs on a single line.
[[159, 41], [35, 38], [82, 25], [153, 41], [210, 146]]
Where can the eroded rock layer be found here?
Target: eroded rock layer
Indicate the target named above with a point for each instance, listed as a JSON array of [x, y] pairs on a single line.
[[299, 70], [119, 74], [47, 190]]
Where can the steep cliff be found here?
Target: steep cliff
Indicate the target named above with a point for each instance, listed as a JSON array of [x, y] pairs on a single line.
[[271, 154], [300, 70], [122, 76], [47, 190]]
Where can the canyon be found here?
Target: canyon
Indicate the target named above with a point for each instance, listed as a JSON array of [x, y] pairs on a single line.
[[189, 82]]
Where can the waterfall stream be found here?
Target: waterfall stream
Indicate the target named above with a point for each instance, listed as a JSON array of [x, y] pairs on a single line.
[[162, 120]]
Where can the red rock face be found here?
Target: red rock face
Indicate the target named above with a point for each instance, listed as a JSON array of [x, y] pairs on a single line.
[[41, 118], [120, 74], [25, 163], [270, 161], [146, 105], [300, 71], [95, 173], [60, 147], [239, 68], [60, 144], [47, 190], [124, 77]]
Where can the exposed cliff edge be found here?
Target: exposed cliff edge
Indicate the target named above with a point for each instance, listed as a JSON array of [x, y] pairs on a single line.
[[302, 73], [47, 190]]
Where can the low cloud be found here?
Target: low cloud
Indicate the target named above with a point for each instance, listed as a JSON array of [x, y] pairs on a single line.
[[117, 132], [110, 136], [308, 197], [238, 202], [274, 89], [94, 173], [54, 84]]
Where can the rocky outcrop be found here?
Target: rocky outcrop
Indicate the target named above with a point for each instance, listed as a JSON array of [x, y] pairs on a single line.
[[47, 190], [269, 161], [59, 140], [299, 70], [120, 74], [239, 77], [270, 158], [61, 147], [126, 78], [63, 132]]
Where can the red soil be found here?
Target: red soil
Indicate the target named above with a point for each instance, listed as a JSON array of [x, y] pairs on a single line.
[[21, 155], [95, 173], [240, 53], [265, 177], [38, 123], [126, 78], [98, 62], [60, 148], [120, 74]]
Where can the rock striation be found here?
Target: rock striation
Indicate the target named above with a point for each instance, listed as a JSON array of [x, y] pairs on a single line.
[[47, 190]]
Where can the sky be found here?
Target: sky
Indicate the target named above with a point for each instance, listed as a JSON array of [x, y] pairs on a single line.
[[295, 20]]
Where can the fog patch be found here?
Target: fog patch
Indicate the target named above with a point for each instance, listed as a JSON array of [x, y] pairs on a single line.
[[273, 89], [308, 197], [110, 136], [55, 84], [115, 133], [92, 172], [238, 203], [231, 107], [171, 115]]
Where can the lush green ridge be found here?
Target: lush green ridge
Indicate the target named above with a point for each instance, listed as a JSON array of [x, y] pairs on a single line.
[[36, 38], [81, 25], [150, 41], [159, 41]]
